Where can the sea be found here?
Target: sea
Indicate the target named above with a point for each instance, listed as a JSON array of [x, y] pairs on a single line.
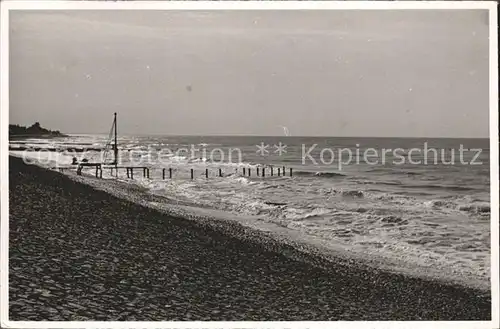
[[411, 205]]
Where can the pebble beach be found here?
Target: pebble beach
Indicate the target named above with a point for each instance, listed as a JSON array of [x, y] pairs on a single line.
[[77, 253]]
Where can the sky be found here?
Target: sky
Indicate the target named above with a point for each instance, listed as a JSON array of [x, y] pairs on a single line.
[[399, 73]]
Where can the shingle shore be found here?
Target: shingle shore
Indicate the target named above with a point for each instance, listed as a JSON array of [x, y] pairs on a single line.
[[77, 253]]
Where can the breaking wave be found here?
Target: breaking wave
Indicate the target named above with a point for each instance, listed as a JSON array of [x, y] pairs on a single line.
[[319, 174]]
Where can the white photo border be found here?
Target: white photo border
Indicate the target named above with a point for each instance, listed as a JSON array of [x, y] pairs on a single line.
[[7, 6]]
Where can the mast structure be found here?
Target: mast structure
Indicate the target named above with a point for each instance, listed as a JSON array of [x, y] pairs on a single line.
[[115, 123]]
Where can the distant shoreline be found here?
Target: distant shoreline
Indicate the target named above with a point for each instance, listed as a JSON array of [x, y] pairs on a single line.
[[35, 131]]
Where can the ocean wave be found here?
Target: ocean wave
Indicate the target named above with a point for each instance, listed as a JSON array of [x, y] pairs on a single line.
[[244, 165], [392, 219], [441, 204], [440, 187], [370, 182], [197, 160], [380, 169], [268, 186], [455, 188], [243, 180], [411, 173], [299, 214], [393, 197], [393, 171], [271, 203], [319, 174], [343, 192], [472, 208], [475, 208], [413, 193], [353, 193], [176, 158]]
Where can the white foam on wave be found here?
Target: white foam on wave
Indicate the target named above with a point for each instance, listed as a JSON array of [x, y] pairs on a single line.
[[300, 214], [176, 158], [198, 160], [242, 180]]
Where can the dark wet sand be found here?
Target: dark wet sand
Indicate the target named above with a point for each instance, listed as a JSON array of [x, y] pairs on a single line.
[[81, 254]]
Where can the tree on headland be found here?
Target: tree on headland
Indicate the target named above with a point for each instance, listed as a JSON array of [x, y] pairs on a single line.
[[34, 130]]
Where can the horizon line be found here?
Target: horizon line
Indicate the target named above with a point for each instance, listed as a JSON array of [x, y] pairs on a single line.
[[296, 136]]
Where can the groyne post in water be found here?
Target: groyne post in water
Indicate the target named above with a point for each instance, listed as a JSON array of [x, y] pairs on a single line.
[[146, 172]]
